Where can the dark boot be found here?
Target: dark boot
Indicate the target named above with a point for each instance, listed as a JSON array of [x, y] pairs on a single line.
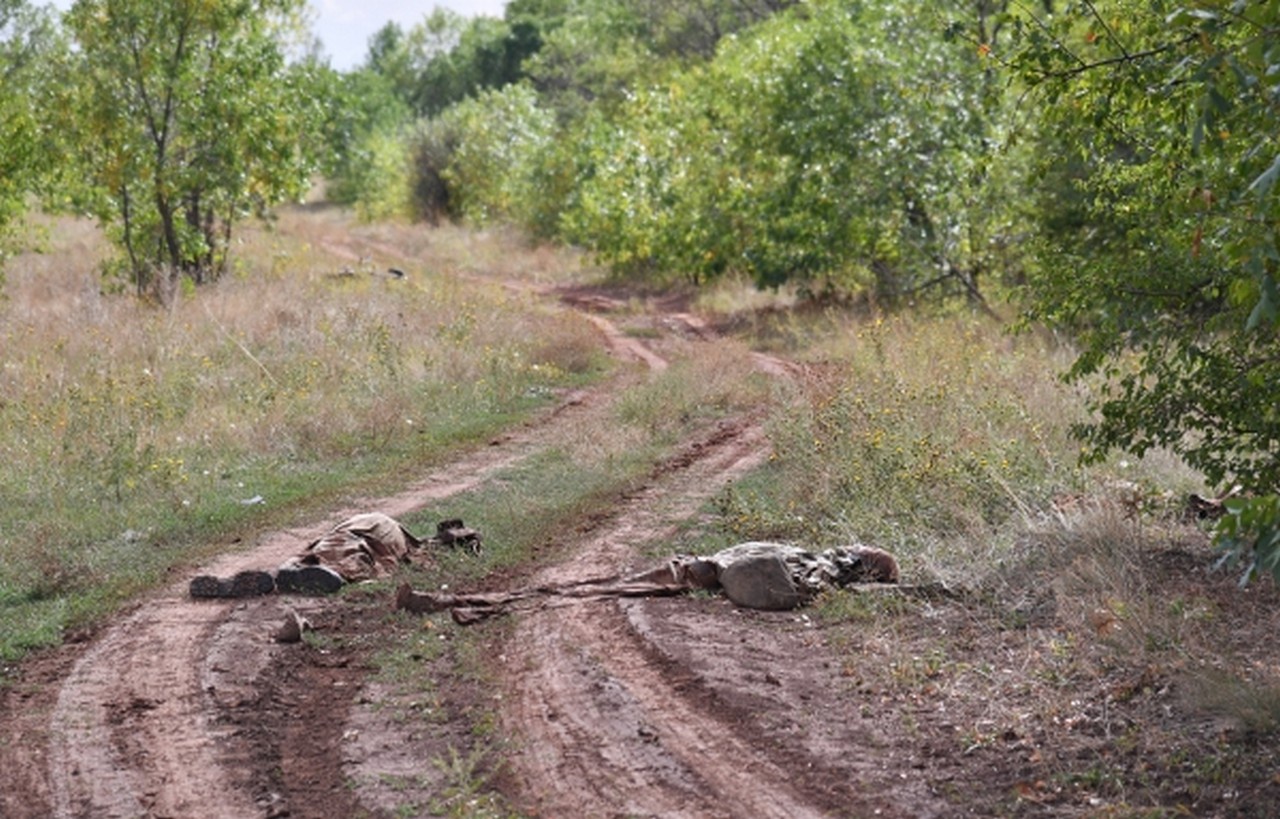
[[250, 583], [292, 579]]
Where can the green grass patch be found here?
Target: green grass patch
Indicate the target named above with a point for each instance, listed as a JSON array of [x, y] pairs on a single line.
[[938, 438], [527, 510], [137, 439]]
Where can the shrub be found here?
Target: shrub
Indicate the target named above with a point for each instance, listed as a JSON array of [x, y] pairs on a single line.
[[500, 137], [431, 148]]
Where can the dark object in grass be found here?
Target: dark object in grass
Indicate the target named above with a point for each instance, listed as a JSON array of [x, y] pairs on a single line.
[[1202, 508], [302, 579], [454, 533]]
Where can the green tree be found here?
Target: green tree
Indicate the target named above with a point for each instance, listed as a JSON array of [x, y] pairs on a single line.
[[471, 56], [592, 58], [188, 119], [25, 35], [447, 58], [501, 138], [390, 59], [1162, 252], [596, 51], [363, 114], [1159, 234], [835, 145]]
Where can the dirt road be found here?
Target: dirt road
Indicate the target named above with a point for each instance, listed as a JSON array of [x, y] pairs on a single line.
[[682, 707]]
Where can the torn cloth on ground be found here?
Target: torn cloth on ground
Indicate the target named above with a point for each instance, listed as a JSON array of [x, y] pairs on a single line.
[[361, 547], [777, 576], [770, 576]]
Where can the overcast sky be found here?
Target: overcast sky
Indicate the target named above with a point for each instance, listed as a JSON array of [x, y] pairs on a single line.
[[344, 26]]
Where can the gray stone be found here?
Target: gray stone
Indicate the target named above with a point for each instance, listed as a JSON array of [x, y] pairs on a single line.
[[293, 627]]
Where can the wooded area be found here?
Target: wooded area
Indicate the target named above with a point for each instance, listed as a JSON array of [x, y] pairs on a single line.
[[1106, 169]]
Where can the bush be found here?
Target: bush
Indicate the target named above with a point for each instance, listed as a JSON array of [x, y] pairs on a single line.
[[924, 428], [377, 180], [500, 138], [824, 146], [431, 147]]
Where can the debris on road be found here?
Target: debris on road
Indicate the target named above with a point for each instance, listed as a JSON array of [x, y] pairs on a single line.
[[293, 627], [361, 547], [756, 575], [453, 533]]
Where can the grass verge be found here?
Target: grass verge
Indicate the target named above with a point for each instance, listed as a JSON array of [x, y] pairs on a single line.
[[1093, 663], [136, 437]]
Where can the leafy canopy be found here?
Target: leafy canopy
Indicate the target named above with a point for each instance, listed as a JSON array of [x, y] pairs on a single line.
[[26, 35], [1161, 251], [187, 119], [822, 146], [1160, 234]]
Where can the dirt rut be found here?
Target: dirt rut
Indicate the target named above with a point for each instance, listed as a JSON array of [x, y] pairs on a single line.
[[133, 731], [133, 727], [599, 722]]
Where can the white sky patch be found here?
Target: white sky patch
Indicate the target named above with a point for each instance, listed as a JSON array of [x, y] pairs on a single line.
[[345, 26]]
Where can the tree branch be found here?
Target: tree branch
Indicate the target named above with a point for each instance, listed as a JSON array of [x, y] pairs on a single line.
[[1084, 67], [1106, 28]]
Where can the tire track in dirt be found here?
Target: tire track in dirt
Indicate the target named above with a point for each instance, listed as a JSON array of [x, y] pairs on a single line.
[[595, 723], [599, 722], [133, 727], [131, 732]]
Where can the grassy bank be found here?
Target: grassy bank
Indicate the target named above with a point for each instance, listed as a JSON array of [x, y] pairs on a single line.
[[134, 437], [941, 438], [1092, 662]]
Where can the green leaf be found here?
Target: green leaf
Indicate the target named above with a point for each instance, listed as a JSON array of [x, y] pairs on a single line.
[[1266, 180], [1266, 308]]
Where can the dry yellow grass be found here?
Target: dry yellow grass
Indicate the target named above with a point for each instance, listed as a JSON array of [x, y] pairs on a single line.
[[125, 426]]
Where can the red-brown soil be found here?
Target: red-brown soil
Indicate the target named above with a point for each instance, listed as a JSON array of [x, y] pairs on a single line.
[[659, 707], [186, 707]]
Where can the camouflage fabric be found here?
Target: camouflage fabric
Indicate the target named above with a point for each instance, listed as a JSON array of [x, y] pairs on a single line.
[[361, 547], [771, 576], [776, 576]]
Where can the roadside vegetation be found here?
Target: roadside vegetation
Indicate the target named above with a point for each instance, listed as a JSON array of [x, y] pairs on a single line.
[[137, 439], [1072, 649], [1106, 170]]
